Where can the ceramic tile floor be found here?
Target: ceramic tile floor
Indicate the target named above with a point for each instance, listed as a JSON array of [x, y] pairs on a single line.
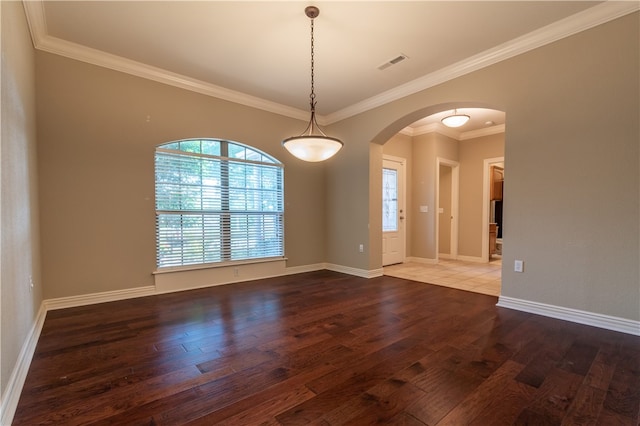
[[482, 278]]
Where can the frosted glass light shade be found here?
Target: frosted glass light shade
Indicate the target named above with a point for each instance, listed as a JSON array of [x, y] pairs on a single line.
[[455, 120], [312, 148]]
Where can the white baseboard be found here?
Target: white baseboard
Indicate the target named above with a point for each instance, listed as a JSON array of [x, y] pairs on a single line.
[[475, 259], [426, 260], [430, 261], [93, 298], [290, 270], [363, 273], [19, 373], [574, 315], [447, 256]]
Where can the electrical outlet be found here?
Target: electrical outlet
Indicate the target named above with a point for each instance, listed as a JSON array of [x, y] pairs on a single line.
[[361, 248], [518, 266]]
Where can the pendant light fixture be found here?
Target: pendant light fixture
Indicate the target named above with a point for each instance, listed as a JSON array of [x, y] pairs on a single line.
[[455, 120], [313, 144]]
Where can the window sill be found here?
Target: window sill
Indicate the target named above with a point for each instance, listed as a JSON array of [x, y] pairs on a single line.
[[168, 270]]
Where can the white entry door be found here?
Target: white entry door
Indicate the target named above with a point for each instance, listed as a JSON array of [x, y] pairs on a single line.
[[393, 210]]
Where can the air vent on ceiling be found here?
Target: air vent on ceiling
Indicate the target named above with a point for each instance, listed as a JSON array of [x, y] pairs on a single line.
[[401, 57]]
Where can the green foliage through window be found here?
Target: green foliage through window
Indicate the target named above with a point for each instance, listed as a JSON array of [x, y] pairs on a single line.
[[217, 201]]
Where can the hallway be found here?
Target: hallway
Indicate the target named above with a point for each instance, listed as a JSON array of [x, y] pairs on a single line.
[[484, 278]]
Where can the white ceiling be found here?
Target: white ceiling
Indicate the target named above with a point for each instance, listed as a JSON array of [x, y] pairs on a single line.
[[257, 53]]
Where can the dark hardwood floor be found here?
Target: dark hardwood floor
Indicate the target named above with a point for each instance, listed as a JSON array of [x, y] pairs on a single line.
[[326, 348]]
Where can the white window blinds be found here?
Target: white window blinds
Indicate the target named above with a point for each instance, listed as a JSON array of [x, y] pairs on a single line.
[[217, 201]]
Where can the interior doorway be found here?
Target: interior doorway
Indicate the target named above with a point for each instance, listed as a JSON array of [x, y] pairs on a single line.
[[447, 184], [491, 208]]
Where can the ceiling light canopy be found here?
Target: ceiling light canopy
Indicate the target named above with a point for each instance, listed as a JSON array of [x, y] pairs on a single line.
[[313, 144], [455, 119]]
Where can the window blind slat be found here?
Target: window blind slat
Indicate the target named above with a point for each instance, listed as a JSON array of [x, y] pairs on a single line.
[[214, 208]]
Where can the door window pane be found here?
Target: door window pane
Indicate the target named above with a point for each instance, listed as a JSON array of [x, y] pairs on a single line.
[[389, 200]]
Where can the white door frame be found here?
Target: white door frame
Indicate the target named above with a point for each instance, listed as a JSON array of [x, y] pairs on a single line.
[[455, 191], [402, 205], [486, 206]]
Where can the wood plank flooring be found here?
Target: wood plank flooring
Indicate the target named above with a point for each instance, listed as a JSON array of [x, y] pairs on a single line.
[[328, 349]]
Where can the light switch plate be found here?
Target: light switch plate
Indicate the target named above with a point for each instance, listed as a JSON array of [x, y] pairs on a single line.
[[518, 266]]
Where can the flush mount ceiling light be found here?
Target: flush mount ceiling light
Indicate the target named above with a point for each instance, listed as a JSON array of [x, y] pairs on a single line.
[[455, 119], [313, 144]]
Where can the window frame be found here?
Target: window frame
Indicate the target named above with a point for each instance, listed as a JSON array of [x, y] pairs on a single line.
[[232, 164]]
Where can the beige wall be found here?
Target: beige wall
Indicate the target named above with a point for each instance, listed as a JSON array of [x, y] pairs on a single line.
[[571, 151], [20, 248], [97, 133], [348, 210]]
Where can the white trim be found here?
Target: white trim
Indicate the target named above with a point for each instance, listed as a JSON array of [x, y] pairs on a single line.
[[446, 256], [94, 298], [452, 133], [131, 293], [172, 269], [574, 315], [422, 260], [19, 374], [589, 18], [478, 133], [455, 205], [594, 16], [291, 270], [395, 159], [475, 259], [43, 41], [363, 273], [434, 128]]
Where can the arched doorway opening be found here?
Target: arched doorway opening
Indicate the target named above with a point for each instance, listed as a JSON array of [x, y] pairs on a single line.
[[446, 195]]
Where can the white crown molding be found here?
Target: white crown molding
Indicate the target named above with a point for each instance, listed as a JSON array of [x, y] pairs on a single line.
[[589, 18], [571, 25], [437, 128], [485, 131], [43, 41], [34, 11], [425, 260], [452, 133]]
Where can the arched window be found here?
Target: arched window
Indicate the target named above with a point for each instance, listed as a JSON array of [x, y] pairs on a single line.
[[217, 201]]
